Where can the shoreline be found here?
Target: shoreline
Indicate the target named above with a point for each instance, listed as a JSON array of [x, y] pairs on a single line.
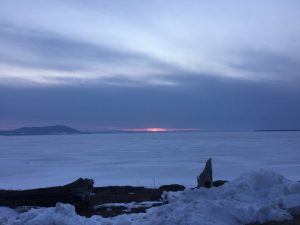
[[112, 201]]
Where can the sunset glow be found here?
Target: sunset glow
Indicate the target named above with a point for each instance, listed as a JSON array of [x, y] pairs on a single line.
[[158, 129]]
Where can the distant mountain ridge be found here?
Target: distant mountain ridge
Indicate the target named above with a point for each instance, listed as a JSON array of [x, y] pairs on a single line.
[[280, 130], [45, 130]]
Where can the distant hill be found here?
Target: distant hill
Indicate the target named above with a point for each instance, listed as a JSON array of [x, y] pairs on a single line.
[[47, 130], [282, 130]]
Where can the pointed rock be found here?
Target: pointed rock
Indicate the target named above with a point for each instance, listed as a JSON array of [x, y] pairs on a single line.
[[205, 179]]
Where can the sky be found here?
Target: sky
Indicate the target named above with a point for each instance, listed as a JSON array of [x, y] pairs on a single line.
[[213, 65]]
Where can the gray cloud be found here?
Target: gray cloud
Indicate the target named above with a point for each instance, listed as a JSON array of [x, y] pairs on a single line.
[[52, 51], [94, 64], [209, 104], [272, 66], [138, 41]]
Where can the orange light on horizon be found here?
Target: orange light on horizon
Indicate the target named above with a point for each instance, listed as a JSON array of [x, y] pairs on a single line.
[[156, 129]]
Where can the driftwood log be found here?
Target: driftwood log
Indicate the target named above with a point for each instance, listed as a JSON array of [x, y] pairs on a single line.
[[77, 193]]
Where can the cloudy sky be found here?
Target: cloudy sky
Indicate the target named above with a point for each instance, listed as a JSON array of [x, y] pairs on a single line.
[[93, 64]]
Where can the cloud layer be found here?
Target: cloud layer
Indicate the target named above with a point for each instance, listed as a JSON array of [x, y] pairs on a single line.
[[90, 64], [136, 43]]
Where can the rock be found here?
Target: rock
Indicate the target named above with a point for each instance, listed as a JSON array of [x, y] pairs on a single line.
[[172, 187], [219, 183], [205, 178]]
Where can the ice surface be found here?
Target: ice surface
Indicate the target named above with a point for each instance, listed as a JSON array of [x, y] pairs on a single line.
[[259, 196], [148, 159]]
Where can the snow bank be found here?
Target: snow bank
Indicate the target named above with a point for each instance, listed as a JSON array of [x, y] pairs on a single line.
[[130, 206], [254, 197]]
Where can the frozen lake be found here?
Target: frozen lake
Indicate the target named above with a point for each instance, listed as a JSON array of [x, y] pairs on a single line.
[[149, 159]]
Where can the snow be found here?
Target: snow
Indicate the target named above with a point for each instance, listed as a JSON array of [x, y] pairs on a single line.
[[130, 205], [147, 159], [258, 196]]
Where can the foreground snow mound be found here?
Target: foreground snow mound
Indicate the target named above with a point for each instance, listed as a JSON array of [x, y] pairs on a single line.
[[254, 197]]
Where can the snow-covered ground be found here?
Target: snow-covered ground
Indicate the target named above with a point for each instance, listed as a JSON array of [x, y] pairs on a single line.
[[258, 196], [149, 159]]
